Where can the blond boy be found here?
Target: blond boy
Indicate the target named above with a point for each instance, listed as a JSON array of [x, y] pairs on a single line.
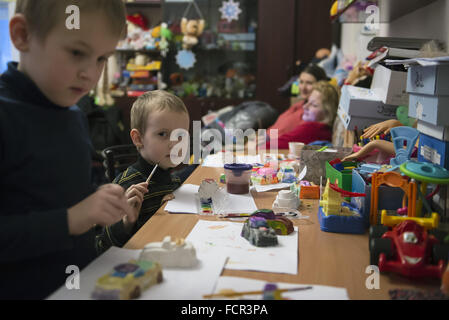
[[156, 118]]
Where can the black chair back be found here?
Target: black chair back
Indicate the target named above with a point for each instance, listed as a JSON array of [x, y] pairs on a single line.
[[117, 158]]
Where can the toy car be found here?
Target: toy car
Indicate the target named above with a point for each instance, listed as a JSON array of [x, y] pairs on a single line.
[[128, 280], [170, 253], [408, 249]]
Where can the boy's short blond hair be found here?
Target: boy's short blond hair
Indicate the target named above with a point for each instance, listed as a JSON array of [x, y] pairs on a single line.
[[43, 15], [330, 98], [153, 101]]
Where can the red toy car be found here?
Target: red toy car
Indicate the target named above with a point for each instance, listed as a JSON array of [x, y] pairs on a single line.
[[409, 249]]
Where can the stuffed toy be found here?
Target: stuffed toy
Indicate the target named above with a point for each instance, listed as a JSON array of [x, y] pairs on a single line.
[[360, 76], [191, 29], [139, 20]]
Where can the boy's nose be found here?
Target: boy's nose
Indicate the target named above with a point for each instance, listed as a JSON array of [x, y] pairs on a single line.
[[90, 73]]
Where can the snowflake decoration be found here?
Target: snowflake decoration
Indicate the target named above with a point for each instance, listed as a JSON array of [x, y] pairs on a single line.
[[230, 10], [185, 59]]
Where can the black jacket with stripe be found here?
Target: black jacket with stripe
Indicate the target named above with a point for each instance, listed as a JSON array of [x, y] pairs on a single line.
[[162, 183]]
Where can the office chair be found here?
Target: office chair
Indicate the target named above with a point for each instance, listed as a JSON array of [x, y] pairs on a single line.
[[117, 158]]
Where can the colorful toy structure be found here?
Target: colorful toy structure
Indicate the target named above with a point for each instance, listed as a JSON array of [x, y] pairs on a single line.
[[333, 202], [395, 180], [264, 176], [206, 191], [337, 215], [128, 280]]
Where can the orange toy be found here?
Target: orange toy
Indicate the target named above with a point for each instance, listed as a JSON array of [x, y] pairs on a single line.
[[309, 192], [445, 282], [392, 179]]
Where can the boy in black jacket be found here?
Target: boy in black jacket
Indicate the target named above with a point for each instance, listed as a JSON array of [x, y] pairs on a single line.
[[47, 205], [159, 124]]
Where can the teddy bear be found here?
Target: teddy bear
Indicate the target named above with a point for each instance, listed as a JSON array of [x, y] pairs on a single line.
[[191, 29]]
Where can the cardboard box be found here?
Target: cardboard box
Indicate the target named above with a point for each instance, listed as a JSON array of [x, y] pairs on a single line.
[[431, 109], [390, 86], [316, 161], [355, 122], [431, 80], [433, 150], [362, 102], [437, 132]]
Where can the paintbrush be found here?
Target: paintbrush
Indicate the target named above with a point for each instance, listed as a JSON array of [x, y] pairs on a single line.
[[152, 173], [149, 178], [232, 293]]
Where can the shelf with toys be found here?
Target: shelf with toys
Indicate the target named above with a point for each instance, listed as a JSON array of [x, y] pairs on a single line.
[[138, 56], [353, 11], [143, 3], [212, 54]]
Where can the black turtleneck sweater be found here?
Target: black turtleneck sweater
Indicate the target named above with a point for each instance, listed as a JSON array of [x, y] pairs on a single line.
[[45, 168], [162, 183]]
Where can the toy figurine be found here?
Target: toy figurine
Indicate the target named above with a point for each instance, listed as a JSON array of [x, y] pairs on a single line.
[[191, 29]]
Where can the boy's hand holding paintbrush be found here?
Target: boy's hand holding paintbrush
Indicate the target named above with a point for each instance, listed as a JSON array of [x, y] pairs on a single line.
[[135, 195]]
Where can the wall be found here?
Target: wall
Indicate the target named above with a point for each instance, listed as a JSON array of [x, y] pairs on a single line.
[[7, 50], [431, 21]]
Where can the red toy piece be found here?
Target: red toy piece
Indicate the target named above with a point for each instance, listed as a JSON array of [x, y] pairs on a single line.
[[408, 249], [345, 193]]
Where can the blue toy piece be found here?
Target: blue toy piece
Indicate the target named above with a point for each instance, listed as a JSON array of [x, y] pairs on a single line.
[[400, 135], [342, 224], [368, 168], [426, 172]]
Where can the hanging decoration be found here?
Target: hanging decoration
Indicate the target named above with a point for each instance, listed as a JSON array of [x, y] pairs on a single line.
[[230, 10], [185, 59], [191, 28]]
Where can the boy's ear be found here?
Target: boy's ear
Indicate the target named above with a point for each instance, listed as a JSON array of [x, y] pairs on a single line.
[[19, 33], [136, 138]]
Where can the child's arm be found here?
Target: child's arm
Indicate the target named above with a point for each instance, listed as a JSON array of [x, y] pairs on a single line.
[[134, 196], [105, 207]]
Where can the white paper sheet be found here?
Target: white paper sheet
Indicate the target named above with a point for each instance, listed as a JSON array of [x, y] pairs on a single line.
[[178, 284], [218, 160], [270, 187], [316, 293], [421, 61], [212, 236], [187, 201]]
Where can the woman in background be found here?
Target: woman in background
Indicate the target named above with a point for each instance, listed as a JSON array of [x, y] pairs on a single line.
[[293, 116], [317, 118]]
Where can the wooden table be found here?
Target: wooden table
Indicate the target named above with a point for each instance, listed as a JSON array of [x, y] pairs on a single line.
[[329, 259]]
